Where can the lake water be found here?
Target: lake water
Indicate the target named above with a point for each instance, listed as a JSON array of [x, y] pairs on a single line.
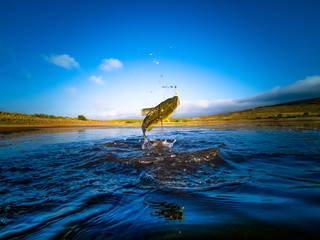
[[204, 183]]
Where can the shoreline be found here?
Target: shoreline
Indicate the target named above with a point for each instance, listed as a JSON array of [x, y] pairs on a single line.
[[297, 122], [5, 129]]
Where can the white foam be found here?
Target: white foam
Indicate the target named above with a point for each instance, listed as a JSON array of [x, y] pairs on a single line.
[[155, 143]]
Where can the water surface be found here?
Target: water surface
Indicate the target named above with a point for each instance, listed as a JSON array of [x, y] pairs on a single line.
[[107, 183]]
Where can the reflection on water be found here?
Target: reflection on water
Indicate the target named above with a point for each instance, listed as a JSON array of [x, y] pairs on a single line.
[[108, 183], [169, 211]]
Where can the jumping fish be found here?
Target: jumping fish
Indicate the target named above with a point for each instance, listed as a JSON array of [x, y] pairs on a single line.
[[158, 114]]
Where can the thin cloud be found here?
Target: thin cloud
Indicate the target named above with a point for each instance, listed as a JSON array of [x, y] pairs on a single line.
[[116, 114], [72, 91], [110, 64], [205, 107], [104, 110], [303, 89], [100, 105], [307, 88], [96, 79], [63, 60]]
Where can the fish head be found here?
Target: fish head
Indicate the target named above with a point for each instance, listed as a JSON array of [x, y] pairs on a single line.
[[176, 102]]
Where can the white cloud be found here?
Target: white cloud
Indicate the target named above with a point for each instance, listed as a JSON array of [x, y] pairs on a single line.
[[303, 89], [105, 110], [71, 91], [96, 79], [307, 88], [110, 64], [63, 60], [205, 107], [116, 114]]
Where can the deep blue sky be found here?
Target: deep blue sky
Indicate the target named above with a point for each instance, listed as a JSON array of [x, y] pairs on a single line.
[[222, 55]]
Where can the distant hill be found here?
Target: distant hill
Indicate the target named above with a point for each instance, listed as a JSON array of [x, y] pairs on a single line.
[[43, 120], [308, 108], [15, 118]]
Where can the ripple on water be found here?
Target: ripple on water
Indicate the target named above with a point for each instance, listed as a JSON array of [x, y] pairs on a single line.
[[123, 187], [162, 165]]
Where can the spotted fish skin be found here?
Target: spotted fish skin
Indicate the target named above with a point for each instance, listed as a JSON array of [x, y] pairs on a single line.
[[159, 113]]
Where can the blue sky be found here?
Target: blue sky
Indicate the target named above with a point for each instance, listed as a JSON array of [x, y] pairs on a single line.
[[110, 59]]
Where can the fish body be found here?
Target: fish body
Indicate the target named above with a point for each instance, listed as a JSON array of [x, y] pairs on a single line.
[[159, 113]]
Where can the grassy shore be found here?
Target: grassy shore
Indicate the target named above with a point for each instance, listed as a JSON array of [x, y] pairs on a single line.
[[298, 111], [304, 109]]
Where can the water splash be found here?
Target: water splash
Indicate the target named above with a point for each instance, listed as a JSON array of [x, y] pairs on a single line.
[[113, 185], [157, 144]]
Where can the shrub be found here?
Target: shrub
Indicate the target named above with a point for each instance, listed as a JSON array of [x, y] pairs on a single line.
[[130, 121], [81, 117], [40, 115]]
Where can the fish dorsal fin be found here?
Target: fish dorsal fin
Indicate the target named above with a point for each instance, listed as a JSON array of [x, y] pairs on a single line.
[[145, 111]]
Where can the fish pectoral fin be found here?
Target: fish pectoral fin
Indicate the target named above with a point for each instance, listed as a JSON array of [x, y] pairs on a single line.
[[145, 111], [168, 117]]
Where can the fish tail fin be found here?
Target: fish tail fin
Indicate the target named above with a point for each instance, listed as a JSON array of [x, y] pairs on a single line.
[[144, 135]]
